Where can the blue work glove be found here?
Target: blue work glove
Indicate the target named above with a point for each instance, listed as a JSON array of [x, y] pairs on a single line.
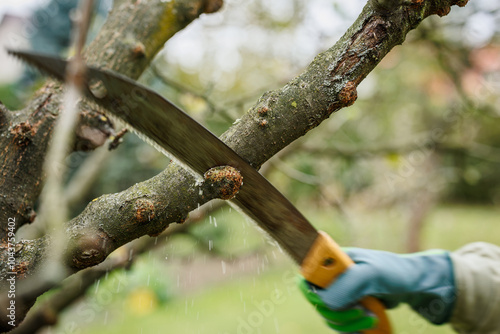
[[423, 280]]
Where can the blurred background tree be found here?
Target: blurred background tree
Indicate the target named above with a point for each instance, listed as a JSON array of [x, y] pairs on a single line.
[[412, 164]]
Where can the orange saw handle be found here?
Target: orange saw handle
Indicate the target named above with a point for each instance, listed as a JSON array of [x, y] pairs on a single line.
[[324, 262]]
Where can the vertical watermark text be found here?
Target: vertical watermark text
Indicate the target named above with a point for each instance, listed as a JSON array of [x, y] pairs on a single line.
[[11, 274]]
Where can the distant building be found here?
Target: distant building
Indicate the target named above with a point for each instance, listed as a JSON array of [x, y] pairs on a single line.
[[11, 35]]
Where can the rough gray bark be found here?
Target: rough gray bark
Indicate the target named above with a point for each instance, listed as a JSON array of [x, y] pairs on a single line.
[[277, 119]]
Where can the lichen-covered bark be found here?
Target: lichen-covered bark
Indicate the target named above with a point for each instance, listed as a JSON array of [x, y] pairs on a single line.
[[23, 142], [24, 137]]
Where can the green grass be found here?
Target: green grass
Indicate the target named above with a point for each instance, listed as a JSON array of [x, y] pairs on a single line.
[[245, 305], [247, 302], [452, 227]]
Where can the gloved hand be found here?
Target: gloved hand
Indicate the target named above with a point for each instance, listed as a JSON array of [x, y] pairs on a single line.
[[423, 280]]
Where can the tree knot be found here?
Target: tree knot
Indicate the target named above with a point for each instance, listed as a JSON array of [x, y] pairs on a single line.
[[138, 50], [211, 6], [23, 133], [21, 269], [226, 181], [262, 111], [348, 94], [144, 210], [89, 250], [443, 11]]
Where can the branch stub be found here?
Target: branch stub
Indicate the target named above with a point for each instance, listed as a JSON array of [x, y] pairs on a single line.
[[226, 180], [348, 94]]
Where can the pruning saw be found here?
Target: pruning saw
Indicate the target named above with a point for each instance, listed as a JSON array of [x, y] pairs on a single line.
[[176, 133]]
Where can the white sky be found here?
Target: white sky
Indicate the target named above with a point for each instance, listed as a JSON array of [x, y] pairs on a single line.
[[19, 7]]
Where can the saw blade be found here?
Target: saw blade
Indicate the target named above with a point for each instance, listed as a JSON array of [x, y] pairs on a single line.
[[179, 135]]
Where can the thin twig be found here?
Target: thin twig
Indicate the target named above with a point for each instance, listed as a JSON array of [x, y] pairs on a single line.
[[220, 110], [117, 139], [86, 176], [54, 208], [296, 174]]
